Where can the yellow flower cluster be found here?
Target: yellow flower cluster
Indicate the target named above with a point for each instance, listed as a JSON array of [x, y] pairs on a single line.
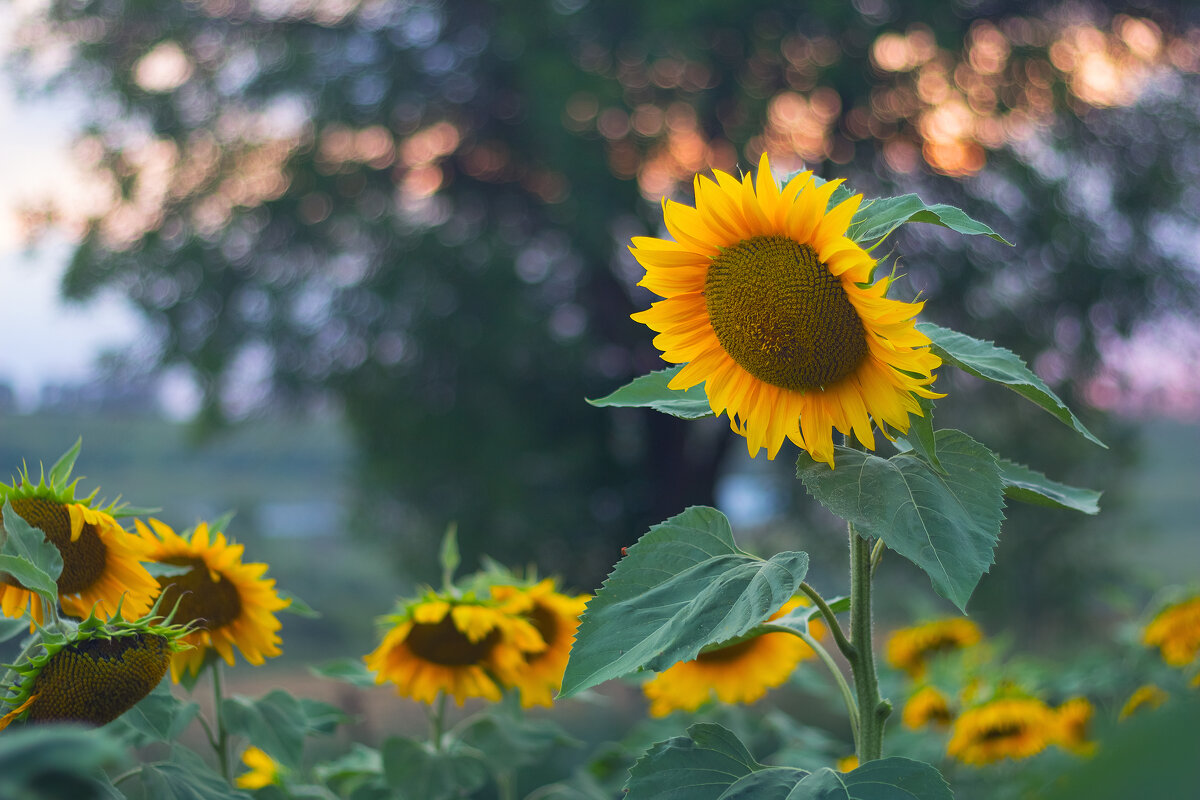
[[1018, 728], [1175, 631], [740, 672], [514, 637], [910, 649]]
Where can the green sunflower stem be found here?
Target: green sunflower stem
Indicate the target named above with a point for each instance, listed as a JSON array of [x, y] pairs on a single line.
[[873, 711], [437, 721], [222, 740], [839, 678]]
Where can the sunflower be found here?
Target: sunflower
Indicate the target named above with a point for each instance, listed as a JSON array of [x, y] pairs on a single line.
[[1175, 631], [927, 705], [101, 561], [95, 673], [264, 770], [1012, 727], [1147, 696], [556, 618], [741, 672], [910, 649], [462, 647], [1074, 716], [225, 601], [772, 307]]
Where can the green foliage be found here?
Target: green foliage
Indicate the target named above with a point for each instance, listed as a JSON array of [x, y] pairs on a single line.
[[506, 739], [29, 556], [877, 218], [278, 723], [651, 391], [947, 524], [696, 767], [55, 763], [186, 777], [349, 670], [158, 717], [683, 586], [986, 360], [418, 771], [1029, 486]]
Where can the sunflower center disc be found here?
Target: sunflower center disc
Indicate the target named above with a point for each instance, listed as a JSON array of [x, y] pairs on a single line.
[[443, 643], [208, 603], [97, 680], [83, 559], [781, 316]]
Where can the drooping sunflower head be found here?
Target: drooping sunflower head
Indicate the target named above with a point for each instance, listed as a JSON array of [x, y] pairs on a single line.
[[264, 770], [556, 618], [227, 602], [461, 646], [910, 649], [927, 706], [101, 561], [96, 673], [1008, 727], [772, 307], [738, 672], [1175, 631]]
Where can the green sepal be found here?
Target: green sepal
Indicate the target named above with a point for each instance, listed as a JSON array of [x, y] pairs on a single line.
[[699, 766], [651, 391], [991, 363], [296, 606], [449, 556], [221, 523], [683, 586], [60, 473], [1029, 486], [877, 218], [947, 524]]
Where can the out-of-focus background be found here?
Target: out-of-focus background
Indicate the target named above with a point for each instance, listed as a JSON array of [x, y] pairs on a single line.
[[351, 268]]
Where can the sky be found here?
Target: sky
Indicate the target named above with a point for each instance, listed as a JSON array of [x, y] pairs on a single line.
[[45, 339]]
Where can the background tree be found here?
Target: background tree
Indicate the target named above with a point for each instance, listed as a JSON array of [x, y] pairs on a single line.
[[419, 211]]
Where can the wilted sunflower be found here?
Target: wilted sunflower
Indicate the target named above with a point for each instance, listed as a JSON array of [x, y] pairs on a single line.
[[772, 308], [738, 673], [264, 770], [226, 602], [460, 647], [101, 561], [1175, 631], [910, 648], [927, 705], [1146, 696], [1012, 727], [556, 618], [94, 674]]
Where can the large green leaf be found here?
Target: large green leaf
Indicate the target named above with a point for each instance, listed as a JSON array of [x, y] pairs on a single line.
[[884, 779], [947, 524], [986, 360], [28, 556], [879, 217], [36, 757], [897, 779], [772, 783], [650, 391], [509, 738], [1028, 486], [699, 766], [158, 717], [414, 771], [684, 585], [278, 723], [186, 777]]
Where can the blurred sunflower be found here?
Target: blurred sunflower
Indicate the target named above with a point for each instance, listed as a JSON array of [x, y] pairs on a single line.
[[741, 672], [847, 764], [556, 618], [226, 602], [461, 647], [101, 560], [926, 706], [772, 308], [1147, 696], [909, 649], [1074, 717], [264, 770], [1012, 727], [1175, 631], [95, 673]]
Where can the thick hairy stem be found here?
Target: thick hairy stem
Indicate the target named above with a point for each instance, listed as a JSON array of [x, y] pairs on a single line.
[[873, 711]]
